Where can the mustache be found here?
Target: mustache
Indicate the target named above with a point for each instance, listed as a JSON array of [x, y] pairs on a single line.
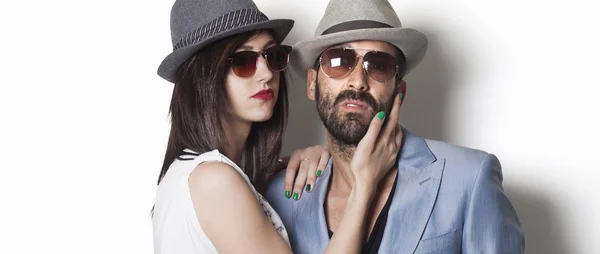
[[354, 95]]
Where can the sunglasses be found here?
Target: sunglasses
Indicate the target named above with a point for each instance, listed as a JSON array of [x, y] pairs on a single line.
[[339, 62], [243, 63]]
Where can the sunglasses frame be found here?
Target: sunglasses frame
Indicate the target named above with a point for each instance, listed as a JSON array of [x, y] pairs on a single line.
[[257, 54], [356, 63]]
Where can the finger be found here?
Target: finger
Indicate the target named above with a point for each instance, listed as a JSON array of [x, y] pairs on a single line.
[[290, 173], [323, 162], [399, 136], [368, 141], [311, 176], [392, 121], [300, 179]]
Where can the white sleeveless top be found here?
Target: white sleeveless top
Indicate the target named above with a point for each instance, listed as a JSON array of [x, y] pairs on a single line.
[[176, 227]]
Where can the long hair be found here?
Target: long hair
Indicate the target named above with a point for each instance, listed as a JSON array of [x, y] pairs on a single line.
[[199, 95]]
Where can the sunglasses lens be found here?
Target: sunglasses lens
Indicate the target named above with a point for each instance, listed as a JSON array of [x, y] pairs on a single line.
[[277, 57], [338, 62], [244, 63], [380, 66]]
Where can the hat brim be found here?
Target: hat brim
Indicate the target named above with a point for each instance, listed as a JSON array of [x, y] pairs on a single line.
[[411, 42], [169, 66]]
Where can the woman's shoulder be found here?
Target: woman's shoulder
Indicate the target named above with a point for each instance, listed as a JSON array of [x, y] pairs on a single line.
[[216, 176], [219, 186]]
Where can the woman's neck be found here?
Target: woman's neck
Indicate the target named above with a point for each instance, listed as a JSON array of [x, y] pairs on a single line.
[[236, 133]]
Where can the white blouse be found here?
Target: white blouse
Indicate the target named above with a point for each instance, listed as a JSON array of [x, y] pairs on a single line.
[[176, 227]]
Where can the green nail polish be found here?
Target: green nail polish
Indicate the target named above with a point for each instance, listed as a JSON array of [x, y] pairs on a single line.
[[295, 196], [401, 95], [381, 115], [308, 187], [319, 173], [288, 194]]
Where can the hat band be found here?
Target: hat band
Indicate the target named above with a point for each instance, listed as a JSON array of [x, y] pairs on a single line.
[[354, 25], [221, 24]]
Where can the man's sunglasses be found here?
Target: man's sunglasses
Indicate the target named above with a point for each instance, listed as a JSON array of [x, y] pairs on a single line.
[[339, 62], [243, 63]]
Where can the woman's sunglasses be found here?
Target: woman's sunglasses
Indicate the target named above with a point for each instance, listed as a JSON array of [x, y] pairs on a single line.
[[339, 62], [243, 63]]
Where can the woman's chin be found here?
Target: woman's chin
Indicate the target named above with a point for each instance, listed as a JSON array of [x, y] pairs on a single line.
[[261, 116]]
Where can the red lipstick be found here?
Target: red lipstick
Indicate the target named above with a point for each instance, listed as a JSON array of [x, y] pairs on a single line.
[[265, 95]]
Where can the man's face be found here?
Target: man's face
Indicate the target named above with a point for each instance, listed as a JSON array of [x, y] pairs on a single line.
[[347, 104]]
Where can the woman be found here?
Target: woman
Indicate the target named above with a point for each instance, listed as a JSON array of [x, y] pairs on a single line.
[[228, 110]]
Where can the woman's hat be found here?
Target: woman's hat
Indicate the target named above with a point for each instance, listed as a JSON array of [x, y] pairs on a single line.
[[198, 23]]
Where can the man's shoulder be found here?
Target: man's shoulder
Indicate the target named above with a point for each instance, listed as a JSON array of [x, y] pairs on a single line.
[[462, 162], [276, 181], [276, 195], [441, 149]]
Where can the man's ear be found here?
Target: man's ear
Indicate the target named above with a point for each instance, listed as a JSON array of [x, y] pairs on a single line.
[[311, 82]]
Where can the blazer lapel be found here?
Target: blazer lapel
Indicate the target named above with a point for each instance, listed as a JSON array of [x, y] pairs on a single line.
[[419, 177]]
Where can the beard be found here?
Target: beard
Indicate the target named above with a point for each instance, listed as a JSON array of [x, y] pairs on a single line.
[[347, 129]]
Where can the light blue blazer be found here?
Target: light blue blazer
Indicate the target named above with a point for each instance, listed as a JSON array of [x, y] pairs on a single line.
[[448, 199]]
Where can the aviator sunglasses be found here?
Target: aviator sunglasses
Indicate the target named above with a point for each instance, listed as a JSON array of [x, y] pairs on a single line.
[[243, 63], [339, 62]]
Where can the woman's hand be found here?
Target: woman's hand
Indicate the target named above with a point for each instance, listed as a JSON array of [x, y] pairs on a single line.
[[304, 166], [376, 152]]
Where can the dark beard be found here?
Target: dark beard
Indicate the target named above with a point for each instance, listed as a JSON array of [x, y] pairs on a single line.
[[347, 130]]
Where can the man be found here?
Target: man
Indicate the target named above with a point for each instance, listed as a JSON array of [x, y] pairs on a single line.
[[438, 197]]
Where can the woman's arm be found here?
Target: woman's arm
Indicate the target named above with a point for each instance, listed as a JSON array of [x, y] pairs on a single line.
[[234, 222], [229, 212], [374, 156], [350, 232]]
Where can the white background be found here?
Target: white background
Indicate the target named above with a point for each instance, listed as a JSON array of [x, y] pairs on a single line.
[[85, 117]]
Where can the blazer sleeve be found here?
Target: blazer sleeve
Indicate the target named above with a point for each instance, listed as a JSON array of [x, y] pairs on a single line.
[[491, 223]]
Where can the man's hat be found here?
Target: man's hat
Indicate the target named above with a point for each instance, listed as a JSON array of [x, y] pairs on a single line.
[[354, 20]]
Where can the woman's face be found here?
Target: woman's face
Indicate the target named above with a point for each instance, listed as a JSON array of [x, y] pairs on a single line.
[[253, 98]]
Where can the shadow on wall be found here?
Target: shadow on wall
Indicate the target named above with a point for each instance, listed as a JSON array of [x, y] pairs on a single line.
[[540, 222], [425, 108]]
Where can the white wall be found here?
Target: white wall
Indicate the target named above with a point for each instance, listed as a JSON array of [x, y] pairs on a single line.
[[84, 116]]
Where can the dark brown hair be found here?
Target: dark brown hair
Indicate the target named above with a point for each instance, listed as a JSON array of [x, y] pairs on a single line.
[[198, 97]]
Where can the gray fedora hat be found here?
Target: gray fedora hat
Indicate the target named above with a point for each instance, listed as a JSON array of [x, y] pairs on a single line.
[[354, 20], [198, 23]]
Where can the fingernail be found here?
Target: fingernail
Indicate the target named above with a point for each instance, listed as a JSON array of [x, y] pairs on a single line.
[[308, 187], [381, 115], [319, 172], [295, 196], [288, 194], [401, 95]]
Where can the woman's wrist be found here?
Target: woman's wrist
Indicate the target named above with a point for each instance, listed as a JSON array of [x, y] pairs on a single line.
[[364, 188]]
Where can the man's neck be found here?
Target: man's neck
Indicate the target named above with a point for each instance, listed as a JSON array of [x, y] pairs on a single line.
[[341, 155], [340, 187], [342, 178]]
